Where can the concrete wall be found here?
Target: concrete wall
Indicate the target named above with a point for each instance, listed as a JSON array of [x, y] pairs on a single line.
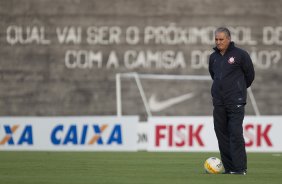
[[61, 57]]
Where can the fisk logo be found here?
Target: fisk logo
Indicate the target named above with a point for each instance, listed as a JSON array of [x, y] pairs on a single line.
[[178, 135], [87, 135], [255, 135], [15, 135]]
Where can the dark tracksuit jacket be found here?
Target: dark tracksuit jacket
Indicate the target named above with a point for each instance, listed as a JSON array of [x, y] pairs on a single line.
[[232, 74]]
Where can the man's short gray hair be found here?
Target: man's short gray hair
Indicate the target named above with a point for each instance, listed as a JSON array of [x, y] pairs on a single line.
[[223, 30]]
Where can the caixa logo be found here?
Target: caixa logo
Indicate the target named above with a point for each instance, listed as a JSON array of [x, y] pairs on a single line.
[[87, 134], [16, 135]]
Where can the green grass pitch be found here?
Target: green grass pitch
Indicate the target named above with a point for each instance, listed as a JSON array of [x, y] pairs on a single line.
[[129, 168]]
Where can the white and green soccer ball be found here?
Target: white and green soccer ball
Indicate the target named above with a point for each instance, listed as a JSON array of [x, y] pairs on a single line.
[[213, 165]]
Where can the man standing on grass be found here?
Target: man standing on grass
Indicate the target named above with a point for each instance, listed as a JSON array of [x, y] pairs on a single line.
[[232, 71]]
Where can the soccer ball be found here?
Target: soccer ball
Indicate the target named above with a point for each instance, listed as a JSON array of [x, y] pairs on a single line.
[[213, 165]]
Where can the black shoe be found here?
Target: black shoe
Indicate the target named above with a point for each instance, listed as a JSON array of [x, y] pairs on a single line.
[[239, 172], [226, 172]]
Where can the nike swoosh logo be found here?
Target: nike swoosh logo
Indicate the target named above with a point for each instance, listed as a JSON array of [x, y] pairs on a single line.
[[156, 105]]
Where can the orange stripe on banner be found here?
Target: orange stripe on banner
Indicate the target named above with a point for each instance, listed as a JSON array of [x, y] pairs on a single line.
[[103, 128], [96, 137], [7, 137], [14, 128]]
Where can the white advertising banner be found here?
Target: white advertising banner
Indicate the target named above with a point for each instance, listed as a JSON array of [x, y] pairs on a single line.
[[97, 133], [262, 134]]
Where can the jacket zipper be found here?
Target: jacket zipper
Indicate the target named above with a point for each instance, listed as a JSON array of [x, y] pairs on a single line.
[[221, 64]]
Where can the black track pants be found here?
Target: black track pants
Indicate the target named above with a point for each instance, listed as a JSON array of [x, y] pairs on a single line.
[[228, 125]]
